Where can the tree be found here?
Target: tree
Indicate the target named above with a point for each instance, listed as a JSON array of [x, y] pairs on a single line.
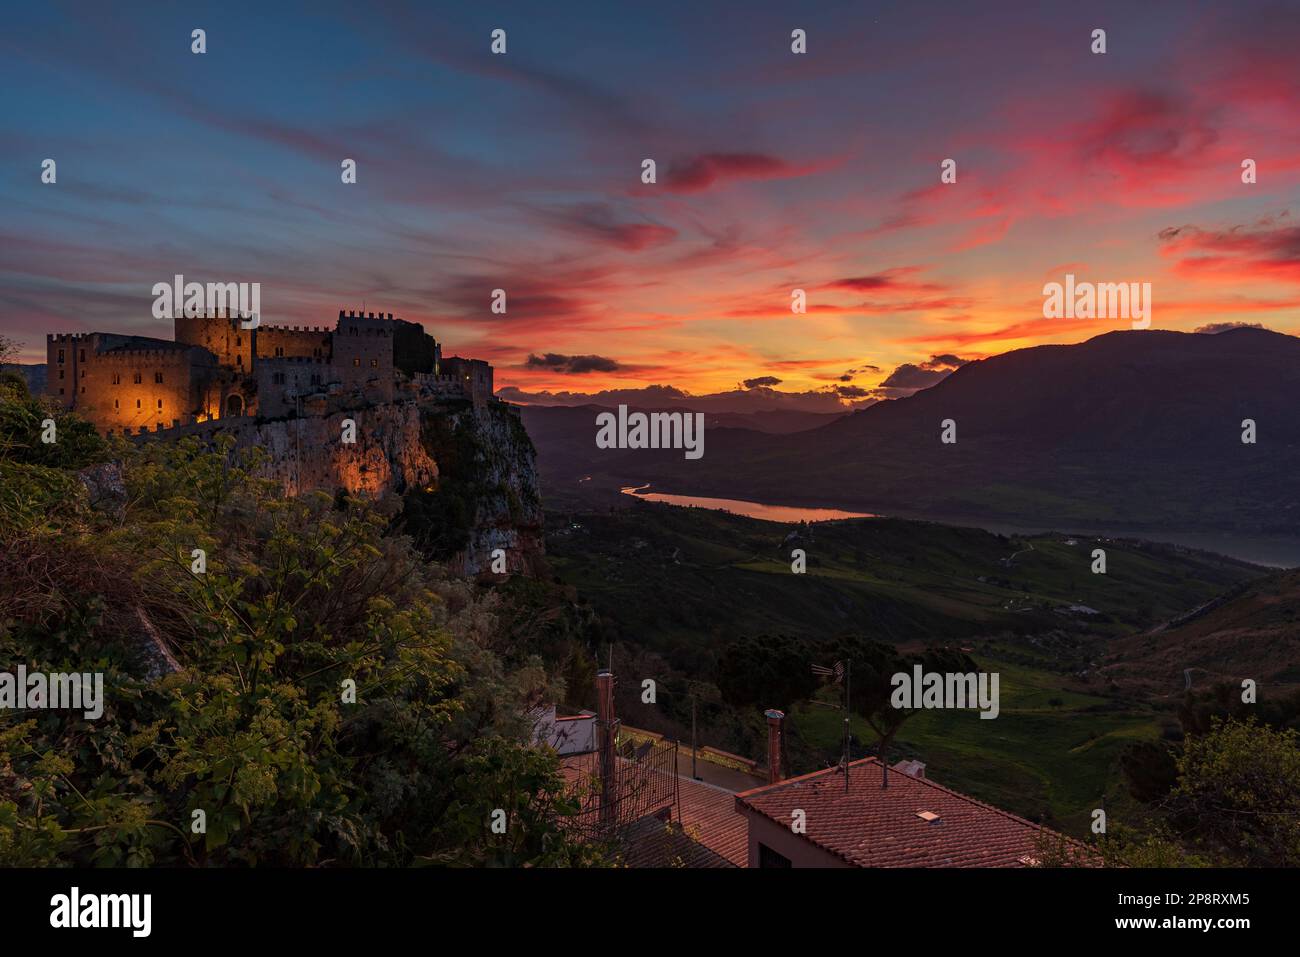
[[256, 735], [1239, 791], [766, 671], [871, 688]]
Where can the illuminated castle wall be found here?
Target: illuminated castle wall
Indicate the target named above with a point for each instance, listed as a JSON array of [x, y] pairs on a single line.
[[215, 368]]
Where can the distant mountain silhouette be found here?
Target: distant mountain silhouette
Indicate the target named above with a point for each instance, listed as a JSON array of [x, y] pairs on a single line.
[[1131, 429]]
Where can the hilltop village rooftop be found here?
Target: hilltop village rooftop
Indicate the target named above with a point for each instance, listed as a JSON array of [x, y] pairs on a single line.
[[660, 818], [215, 369]]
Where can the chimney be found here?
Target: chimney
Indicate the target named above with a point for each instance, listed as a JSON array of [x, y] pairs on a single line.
[[774, 719], [605, 731]]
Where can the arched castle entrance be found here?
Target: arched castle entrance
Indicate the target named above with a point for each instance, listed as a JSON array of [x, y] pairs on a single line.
[[234, 405]]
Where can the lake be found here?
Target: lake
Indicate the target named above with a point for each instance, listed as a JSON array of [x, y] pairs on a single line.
[[771, 513], [1271, 551]]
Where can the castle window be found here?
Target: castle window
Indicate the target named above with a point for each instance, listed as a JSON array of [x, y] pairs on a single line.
[[278, 378], [138, 380], [279, 350], [60, 355], [356, 362], [117, 378], [239, 360], [374, 363], [160, 405], [60, 373], [115, 405], [83, 355], [137, 403], [239, 340], [157, 377], [83, 390], [83, 373]]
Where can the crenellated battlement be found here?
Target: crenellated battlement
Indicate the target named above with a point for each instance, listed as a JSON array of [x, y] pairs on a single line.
[[170, 356], [213, 368], [381, 317], [308, 360], [318, 330]]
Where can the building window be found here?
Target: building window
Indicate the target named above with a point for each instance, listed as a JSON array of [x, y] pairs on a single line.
[[137, 403], [160, 405], [239, 341], [279, 350], [117, 378], [83, 373], [374, 363], [356, 362], [83, 390], [278, 378], [83, 355], [138, 380], [60, 355], [115, 405], [770, 858], [60, 373], [239, 360], [157, 377]]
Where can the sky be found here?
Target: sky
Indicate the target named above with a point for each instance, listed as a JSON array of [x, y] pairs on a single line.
[[775, 171]]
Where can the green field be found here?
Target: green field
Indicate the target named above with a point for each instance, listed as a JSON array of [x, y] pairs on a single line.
[[683, 583], [1047, 762]]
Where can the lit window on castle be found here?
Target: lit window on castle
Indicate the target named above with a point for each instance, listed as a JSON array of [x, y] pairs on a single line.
[[356, 362], [117, 378], [138, 379], [374, 364]]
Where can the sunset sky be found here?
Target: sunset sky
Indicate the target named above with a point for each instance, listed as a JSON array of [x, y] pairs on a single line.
[[776, 171]]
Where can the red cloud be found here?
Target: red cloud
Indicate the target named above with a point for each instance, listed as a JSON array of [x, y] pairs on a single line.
[[701, 172], [1268, 249]]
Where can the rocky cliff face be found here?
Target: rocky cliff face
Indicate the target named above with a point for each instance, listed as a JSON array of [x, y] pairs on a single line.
[[468, 474], [309, 453], [509, 508], [486, 496]]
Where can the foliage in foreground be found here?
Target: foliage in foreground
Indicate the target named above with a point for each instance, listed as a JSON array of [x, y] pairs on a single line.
[[251, 734]]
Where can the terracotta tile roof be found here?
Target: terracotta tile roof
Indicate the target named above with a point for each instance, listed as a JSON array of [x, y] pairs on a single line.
[[868, 826], [708, 813], [655, 842]]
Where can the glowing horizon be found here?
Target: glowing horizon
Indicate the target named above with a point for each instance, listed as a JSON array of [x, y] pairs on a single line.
[[776, 172]]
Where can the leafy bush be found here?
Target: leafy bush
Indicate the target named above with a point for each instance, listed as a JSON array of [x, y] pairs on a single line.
[[300, 597]]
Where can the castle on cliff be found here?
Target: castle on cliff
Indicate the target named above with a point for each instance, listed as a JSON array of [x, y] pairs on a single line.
[[215, 368]]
